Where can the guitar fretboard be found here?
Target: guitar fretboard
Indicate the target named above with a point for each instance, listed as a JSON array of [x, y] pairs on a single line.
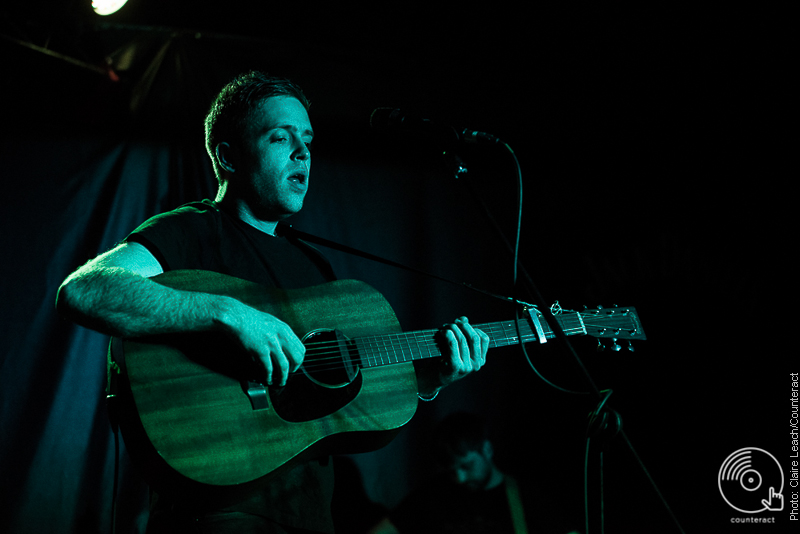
[[388, 349]]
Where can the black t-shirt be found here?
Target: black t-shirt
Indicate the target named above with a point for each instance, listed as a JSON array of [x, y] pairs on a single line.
[[202, 236]]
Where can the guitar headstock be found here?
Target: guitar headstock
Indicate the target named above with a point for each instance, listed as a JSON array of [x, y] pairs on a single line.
[[616, 323]]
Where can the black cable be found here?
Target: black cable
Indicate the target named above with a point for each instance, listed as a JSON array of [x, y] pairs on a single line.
[[563, 338], [652, 482], [110, 400], [586, 484], [596, 428], [517, 267]]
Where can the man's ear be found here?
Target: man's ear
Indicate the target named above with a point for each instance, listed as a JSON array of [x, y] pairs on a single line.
[[226, 157]]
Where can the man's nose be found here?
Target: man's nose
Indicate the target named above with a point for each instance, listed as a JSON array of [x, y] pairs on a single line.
[[301, 150]]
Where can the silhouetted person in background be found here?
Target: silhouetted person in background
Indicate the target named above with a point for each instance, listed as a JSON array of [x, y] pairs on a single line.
[[471, 494]]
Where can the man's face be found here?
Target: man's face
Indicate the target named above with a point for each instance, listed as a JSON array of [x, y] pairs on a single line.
[[472, 470], [275, 158]]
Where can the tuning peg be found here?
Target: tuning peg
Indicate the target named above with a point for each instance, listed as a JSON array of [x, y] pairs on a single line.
[[614, 345], [600, 347], [630, 346]]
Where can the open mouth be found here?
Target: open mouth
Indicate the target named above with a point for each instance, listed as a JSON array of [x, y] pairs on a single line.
[[298, 180]]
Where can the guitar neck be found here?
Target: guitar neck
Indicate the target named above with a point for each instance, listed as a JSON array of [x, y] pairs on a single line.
[[388, 349]]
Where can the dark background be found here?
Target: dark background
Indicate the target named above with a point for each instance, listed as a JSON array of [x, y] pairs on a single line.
[[652, 143]]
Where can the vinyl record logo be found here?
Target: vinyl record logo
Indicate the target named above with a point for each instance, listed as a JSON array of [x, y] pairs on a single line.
[[751, 481]]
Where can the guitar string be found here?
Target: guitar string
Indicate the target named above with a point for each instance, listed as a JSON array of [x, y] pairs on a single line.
[[395, 341], [390, 349], [402, 337], [375, 357], [406, 337], [386, 349]]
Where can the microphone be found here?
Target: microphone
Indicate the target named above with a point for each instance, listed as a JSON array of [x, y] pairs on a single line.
[[396, 119]]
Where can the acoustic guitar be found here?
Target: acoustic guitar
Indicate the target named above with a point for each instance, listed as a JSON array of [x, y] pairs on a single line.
[[193, 420]]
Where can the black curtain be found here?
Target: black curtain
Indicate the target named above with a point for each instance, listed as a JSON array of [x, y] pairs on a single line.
[[76, 195]]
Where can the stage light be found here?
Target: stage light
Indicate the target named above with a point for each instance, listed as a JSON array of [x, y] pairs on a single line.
[[107, 7]]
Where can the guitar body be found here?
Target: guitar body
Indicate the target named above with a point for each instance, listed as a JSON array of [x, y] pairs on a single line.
[[190, 424]]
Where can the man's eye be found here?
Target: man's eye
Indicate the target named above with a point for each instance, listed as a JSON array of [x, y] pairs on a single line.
[[309, 145]]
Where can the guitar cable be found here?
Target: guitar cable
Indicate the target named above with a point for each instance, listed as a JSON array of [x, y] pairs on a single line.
[[112, 417], [112, 375]]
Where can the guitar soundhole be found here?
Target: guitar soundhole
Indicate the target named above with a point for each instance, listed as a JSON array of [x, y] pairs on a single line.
[[331, 359], [328, 380]]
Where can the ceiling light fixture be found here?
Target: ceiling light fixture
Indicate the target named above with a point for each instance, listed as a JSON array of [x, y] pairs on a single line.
[[107, 7]]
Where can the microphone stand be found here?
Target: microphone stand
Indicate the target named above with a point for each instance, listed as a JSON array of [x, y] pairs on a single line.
[[604, 422]]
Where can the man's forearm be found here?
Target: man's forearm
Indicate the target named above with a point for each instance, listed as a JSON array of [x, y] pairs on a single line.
[[119, 302]]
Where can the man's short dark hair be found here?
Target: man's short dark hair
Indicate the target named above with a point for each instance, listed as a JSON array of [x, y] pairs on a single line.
[[229, 114], [458, 434]]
